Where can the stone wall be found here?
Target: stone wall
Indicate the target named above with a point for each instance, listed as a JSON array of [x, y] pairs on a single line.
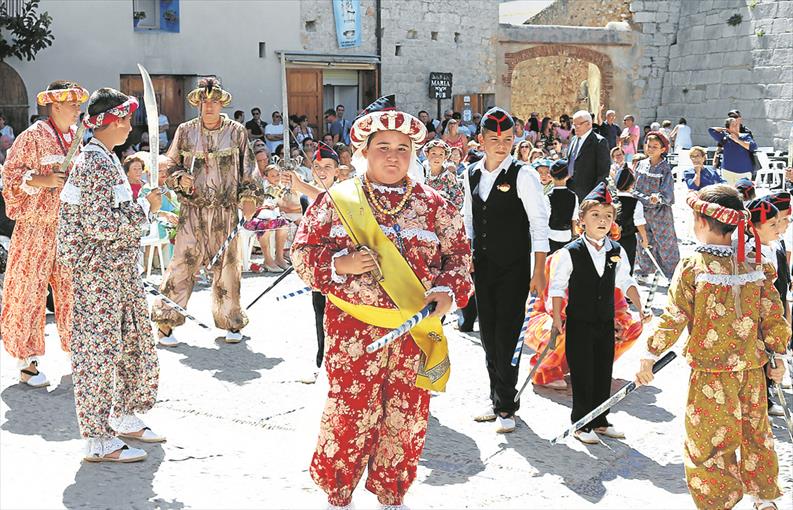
[[715, 67], [583, 13], [549, 86], [419, 37]]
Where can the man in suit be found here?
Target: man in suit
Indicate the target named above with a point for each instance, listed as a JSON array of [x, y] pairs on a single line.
[[588, 158]]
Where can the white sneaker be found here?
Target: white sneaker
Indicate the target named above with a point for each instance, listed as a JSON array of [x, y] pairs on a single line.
[[586, 437], [776, 410], [486, 415], [506, 424], [558, 384], [233, 337], [309, 377], [168, 341], [610, 431]]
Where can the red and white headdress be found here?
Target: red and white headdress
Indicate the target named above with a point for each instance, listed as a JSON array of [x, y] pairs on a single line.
[[70, 95], [437, 142], [383, 116], [729, 216], [112, 114]]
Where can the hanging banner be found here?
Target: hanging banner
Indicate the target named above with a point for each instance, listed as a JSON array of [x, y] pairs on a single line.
[[348, 22]]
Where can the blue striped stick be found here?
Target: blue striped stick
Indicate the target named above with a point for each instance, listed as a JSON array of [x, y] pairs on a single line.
[[226, 243], [293, 294], [404, 328], [548, 348], [521, 336], [151, 289]]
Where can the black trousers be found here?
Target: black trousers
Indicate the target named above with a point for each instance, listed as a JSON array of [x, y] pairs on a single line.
[[590, 356], [469, 312], [501, 294], [318, 300], [556, 245], [629, 243]]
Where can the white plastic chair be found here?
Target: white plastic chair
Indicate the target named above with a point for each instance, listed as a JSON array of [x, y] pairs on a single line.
[[770, 175], [151, 244], [249, 241]]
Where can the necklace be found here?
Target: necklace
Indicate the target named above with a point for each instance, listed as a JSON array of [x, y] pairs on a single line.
[[394, 210], [59, 136]]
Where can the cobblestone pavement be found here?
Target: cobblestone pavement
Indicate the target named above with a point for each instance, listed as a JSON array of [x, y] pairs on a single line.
[[241, 429]]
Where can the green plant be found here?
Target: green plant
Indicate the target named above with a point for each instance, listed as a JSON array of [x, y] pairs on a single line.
[[752, 4], [139, 15], [170, 16], [759, 32], [734, 20], [24, 34]]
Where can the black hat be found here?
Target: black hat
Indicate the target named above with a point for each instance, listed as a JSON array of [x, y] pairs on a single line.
[[323, 151], [780, 199], [744, 184], [761, 210], [559, 169], [382, 104], [600, 194], [496, 119], [624, 178]]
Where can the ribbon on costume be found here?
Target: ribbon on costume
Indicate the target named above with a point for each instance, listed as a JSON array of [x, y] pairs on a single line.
[[113, 114], [730, 217]]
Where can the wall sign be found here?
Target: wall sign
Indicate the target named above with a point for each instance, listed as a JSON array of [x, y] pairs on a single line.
[[440, 85], [348, 22]]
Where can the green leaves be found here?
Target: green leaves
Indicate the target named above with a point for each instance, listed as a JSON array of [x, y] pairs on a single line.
[[25, 33]]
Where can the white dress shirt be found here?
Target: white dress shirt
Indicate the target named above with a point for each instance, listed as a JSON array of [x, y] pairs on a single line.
[[562, 268], [578, 144], [638, 211], [561, 236], [529, 192]]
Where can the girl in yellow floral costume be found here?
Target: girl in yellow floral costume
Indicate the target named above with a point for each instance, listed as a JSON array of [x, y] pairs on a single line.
[[720, 299]]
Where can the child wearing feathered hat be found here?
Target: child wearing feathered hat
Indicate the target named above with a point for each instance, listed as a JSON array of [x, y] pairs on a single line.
[[733, 314], [586, 271]]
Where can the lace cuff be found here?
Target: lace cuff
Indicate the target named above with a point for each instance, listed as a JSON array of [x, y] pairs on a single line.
[[99, 447], [27, 188], [447, 290], [334, 276], [126, 423]]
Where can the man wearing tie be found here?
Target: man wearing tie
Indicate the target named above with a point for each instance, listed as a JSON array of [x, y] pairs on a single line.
[[588, 159]]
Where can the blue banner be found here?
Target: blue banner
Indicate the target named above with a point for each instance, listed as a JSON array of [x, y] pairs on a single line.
[[348, 22]]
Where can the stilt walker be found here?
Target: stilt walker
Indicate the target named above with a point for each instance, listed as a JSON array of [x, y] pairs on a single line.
[[114, 359], [378, 403], [33, 177], [219, 183]]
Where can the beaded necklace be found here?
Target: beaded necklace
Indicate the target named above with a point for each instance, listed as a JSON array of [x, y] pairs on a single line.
[[393, 210]]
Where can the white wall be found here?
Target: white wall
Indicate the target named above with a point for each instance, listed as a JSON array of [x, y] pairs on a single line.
[[95, 43]]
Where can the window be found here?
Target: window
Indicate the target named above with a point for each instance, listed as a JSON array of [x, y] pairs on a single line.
[[155, 15], [13, 8]]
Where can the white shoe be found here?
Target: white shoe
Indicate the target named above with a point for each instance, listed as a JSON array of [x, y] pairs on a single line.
[[168, 341], [486, 415], [309, 377], [776, 410], [233, 337], [586, 437], [97, 450], [345, 507], [610, 431], [394, 507], [506, 424], [36, 378], [558, 384]]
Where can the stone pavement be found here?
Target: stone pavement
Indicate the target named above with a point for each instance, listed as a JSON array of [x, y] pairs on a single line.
[[241, 430]]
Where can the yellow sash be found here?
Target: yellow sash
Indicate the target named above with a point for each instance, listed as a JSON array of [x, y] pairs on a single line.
[[400, 283]]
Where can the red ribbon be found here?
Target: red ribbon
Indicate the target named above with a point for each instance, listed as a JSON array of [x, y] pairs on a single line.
[[498, 121]]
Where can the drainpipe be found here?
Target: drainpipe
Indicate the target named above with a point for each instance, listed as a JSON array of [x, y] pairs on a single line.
[[378, 31]]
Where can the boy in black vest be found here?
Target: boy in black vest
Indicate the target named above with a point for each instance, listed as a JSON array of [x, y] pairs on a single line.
[[564, 207], [630, 217], [587, 270], [506, 216]]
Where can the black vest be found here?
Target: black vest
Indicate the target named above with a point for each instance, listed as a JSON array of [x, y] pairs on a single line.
[[501, 227], [625, 216], [562, 209], [591, 297], [783, 273]]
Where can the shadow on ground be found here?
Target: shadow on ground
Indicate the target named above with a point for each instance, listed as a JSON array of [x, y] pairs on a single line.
[[452, 456], [37, 412], [234, 363]]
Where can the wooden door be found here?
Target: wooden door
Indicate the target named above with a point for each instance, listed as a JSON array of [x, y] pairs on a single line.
[[367, 85], [169, 91], [13, 98], [304, 93]]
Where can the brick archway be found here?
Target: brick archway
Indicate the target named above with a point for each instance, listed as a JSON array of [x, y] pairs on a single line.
[[602, 61]]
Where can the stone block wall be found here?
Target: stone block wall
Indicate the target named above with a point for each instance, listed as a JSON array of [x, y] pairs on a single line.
[[419, 37], [582, 13], [549, 86]]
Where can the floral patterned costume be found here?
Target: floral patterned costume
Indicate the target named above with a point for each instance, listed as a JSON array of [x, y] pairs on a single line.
[[722, 307], [222, 174], [538, 333], [114, 360], [32, 262], [375, 415], [660, 220], [448, 186]]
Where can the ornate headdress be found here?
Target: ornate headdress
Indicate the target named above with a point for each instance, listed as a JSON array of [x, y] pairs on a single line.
[[383, 116], [437, 142], [208, 88], [69, 95], [727, 216], [112, 114]]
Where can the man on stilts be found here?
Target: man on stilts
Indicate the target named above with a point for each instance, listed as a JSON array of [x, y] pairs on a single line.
[[32, 181], [215, 179]]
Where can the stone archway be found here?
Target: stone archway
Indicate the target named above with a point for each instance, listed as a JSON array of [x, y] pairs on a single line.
[[13, 98], [599, 75]]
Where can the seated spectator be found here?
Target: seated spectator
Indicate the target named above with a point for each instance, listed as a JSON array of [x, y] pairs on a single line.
[[700, 175], [522, 150], [520, 131], [617, 160], [327, 139], [452, 136], [345, 172], [536, 154], [133, 167], [345, 154], [239, 116], [456, 160]]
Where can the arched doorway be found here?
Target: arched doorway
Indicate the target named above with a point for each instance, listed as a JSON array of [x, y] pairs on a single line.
[[13, 98], [553, 79]]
